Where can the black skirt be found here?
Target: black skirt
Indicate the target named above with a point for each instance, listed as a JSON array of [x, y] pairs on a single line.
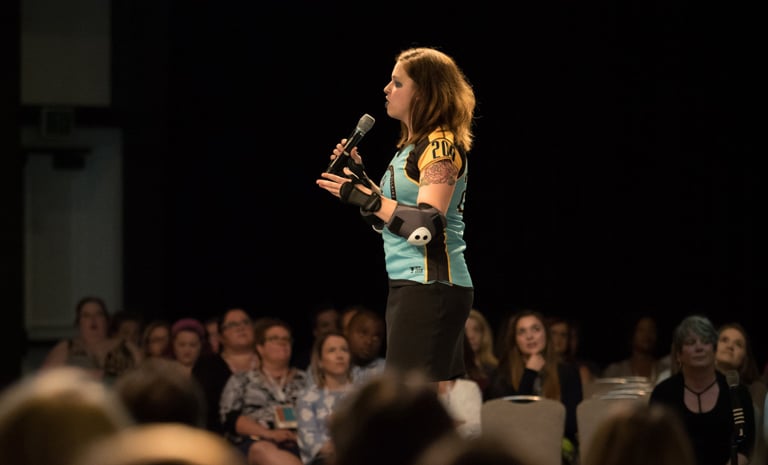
[[425, 328]]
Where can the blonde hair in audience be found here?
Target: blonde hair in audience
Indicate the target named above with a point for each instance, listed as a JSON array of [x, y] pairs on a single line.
[[317, 354], [640, 435], [52, 415], [484, 355]]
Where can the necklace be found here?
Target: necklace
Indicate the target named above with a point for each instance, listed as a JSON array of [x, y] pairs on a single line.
[[698, 394]]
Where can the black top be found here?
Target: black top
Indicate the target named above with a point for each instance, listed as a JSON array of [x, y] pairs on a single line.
[[212, 372], [711, 432], [571, 392]]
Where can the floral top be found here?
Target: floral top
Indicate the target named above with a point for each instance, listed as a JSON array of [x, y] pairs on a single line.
[[314, 409], [255, 395]]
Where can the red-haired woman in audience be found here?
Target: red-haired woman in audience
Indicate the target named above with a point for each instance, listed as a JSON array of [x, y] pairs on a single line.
[[187, 342]]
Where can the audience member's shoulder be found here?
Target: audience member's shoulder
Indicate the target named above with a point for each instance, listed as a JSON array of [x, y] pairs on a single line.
[[161, 444]]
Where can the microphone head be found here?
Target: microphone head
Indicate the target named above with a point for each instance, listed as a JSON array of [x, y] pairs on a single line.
[[733, 377], [365, 123]]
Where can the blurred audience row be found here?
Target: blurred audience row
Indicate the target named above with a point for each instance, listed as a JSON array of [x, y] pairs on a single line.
[[237, 379]]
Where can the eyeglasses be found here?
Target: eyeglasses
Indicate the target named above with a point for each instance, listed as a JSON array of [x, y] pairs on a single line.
[[281, 339], [235, 324]]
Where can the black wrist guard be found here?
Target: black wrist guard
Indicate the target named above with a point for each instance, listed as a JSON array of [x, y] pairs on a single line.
[[370, 203]]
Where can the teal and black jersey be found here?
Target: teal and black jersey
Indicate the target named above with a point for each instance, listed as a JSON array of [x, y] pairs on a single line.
[[442, 259]]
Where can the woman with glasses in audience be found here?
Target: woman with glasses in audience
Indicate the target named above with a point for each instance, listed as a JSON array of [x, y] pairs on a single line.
[[237, 354], [258, 406]]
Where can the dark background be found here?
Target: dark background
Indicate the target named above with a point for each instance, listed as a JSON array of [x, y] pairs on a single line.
[[615, 169]]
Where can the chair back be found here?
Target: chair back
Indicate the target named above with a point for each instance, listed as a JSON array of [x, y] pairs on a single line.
[[590, 413], [532, 427], [630, 386]]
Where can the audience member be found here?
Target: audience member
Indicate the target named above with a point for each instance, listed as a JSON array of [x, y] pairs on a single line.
[[156, 339], [237, 355], [254, 403], [50, 416], [365, 333], [161, 391], [127, 325], [104, 357], [331, 369], [473, 451], [560, 332], [701, 396], [325, 318], [641, 434], [187, 342], [212, 334], [735, 354], [575, 351], [462, 399], [480, 338], [530, 366], [161, 444], [391, 419], [644, 359]]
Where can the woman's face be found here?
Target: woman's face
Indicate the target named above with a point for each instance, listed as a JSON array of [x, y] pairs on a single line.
[[474, 331], [277, 346], [559, 333], [731, 348], [399, 92], [695, 353], [334, 356], [530, 336], [157, 341], [237, 330], [92, 321], [186, 347]]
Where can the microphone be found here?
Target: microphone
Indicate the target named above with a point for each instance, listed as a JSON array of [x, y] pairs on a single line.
[[738, 412], [363, 126]]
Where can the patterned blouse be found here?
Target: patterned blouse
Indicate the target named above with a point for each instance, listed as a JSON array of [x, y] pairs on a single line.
[[255, 394], [314, 409]]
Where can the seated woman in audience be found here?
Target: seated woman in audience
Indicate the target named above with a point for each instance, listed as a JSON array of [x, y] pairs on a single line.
[[104, 357], [127, 325], [641, 434], [734, 354], [50, 416], [530, 366], [331, 368], [561, 333], [700, 394], [644, 358], [212, 334], [480, 338], [257, 404], [187, 341], [237, 355], [156, 339]]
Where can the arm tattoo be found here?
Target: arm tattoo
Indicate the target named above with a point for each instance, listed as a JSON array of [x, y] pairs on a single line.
[[441, 172]]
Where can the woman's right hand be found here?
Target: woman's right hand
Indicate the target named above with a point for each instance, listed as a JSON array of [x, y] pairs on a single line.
[[282, 435]]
